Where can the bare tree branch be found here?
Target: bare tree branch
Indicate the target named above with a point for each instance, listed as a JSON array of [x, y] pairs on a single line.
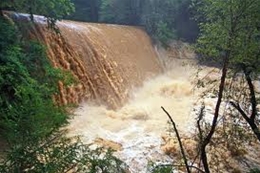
[[250, 121], [179, 140], [252, 94], [240, 110]]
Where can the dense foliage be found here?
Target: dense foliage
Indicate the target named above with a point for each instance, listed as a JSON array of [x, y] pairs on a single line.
[[25, 94], [27, 112], [230, 26], [86, 10], [52, 9]]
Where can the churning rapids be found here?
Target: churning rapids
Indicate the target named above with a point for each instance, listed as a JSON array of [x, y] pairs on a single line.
[[138, 126]]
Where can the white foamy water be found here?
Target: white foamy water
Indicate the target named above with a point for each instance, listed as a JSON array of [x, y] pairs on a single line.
[[139, 125]]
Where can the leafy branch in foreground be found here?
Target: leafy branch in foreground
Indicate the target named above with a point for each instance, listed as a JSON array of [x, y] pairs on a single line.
[[61, 155]]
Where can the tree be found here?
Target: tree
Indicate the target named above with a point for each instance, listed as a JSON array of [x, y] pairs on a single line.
[[120, 12], [86, 10], [186, 26], [27, 114], [52, 9], [230, 35]]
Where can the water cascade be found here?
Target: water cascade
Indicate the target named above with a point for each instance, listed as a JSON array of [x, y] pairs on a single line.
[[107, 60]]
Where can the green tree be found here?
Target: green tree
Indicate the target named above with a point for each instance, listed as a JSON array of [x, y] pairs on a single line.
[[86, 10], [230, 34], [27, 114], [106, 12], [121, 12], [52, 9], [185, 24], [155, 11]]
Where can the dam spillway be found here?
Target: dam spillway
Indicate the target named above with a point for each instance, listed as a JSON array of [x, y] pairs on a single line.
[[106, 60]]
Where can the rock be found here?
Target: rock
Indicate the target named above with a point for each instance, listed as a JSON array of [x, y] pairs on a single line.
[[108, 144], [171, 146], [190, 146]]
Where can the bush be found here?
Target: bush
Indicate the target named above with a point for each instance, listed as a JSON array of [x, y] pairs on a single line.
[[164, 34], [58, 154], [159, 168], [254, 170]]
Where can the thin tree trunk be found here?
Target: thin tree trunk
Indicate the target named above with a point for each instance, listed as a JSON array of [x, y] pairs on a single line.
[[251, 123], [252, 94], [250, 119], [254, 129], [253, 104], [1, 12], [207, 139]]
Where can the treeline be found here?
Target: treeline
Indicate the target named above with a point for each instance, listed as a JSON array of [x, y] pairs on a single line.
[[162, 19]]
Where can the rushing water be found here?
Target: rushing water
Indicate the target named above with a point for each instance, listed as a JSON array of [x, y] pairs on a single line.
[[139, 125]]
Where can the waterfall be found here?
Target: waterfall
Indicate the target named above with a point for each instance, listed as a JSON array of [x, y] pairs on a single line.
[[107, 60]]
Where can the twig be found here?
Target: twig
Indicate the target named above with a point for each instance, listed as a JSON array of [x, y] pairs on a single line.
[[179, 140], [250, 121], [198, 169]]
